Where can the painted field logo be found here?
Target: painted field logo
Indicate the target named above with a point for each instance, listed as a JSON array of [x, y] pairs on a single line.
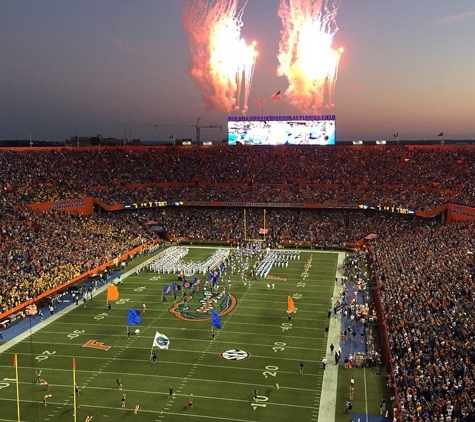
[[198, 308], [273, 277], [94, 344], [235, 354]]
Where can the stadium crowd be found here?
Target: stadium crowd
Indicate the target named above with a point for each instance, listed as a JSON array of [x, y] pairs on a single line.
[[424, 269], [421, 178], [426, 282], [42, 250]]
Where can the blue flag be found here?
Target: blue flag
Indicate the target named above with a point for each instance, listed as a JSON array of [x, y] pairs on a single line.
[[216, 320], [133, 317], [213, 276]]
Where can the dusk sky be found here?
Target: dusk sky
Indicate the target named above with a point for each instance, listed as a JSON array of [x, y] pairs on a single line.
[[70, 67]]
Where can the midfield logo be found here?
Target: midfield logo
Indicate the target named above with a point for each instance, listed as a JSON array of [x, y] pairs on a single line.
[[235, 354], [199, 308]]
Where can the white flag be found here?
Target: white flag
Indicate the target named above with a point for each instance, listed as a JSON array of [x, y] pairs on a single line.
[[161, 341]]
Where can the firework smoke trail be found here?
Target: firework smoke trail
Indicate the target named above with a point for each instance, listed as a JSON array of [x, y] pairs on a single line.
[[222, 64], [246, 71], [306, 57]]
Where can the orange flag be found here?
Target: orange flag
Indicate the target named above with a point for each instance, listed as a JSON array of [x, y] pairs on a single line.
[[112, 293], [290, 305]]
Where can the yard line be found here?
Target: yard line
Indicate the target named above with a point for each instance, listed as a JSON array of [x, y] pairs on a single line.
[[209, 398], [67, 386], [241, 367]]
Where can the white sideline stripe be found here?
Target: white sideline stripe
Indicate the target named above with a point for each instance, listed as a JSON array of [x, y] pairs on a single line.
[[365, 393], [330, 377]]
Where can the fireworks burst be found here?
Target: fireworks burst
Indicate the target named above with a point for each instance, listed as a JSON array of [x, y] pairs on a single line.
[[222, 63], [306, 57]]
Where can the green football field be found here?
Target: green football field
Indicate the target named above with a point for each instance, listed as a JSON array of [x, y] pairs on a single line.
[[257, 347]]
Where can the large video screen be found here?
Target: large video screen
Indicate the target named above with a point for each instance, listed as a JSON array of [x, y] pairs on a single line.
[[281, 130]]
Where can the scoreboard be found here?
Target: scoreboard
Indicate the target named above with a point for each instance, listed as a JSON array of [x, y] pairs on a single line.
[[282, 130]]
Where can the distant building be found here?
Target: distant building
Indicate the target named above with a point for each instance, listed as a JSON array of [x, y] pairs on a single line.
[[28, 143], [99, 140]]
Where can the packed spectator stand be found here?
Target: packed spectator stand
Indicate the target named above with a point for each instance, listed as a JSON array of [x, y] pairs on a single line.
[[414, 177], [422, 268]]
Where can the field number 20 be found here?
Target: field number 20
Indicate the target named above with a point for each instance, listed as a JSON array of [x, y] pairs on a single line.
[[45, 355], [271, 371]]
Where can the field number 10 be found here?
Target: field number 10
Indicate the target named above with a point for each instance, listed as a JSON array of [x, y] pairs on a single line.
[[259, 402]]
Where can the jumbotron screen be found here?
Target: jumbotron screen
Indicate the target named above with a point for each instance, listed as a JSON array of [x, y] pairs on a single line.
[[281, 130]]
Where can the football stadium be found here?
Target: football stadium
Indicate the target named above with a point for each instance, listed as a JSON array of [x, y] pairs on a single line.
[[282, 271], [285, 283]]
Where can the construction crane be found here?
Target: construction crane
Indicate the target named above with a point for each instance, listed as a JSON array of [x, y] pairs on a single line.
[[198, 127]]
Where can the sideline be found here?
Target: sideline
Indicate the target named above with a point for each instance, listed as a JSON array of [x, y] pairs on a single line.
[[327, 408], [28, 331]]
